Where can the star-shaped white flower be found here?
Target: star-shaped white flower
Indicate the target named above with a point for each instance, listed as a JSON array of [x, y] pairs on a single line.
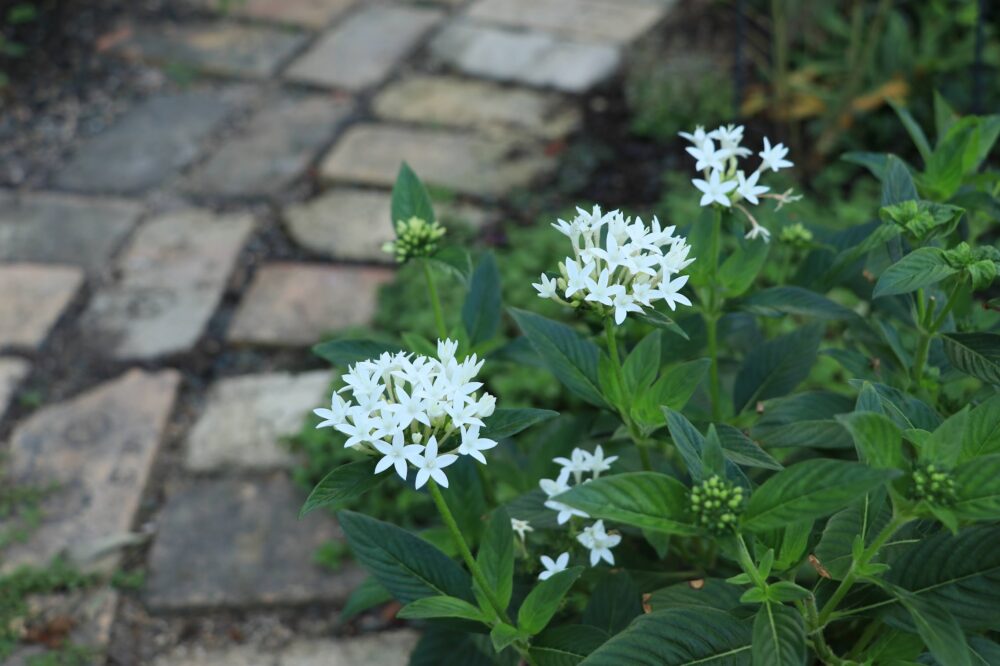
[[748, 187], [552, 488], [600, 291], [396, 455], [708, 157], [697, 137], [577, 276], [522, 527], [624, 303], [336, 414], [410, 408], [577, 463], [431, 466], [670, 292], [358, 432], [715, 189], [599, 543], [757, 231], [552, 567], [472, 444], [597, 463], [546, 288], [774, 157]]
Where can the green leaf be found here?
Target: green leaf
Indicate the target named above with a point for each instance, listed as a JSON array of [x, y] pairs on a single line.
[[642, 364], [453, 260], [496, 556], [876, 163], [611, 385], [673, 389], [740, 269], [481, 310], [440, 607], [744, 451], [779, 637], [678, 638], [982, 430], [923, 220], [904, 409], [944, 116], [368, 594], [778, 301], [507, 422], [794, 541], [441, 645], [897, 184], [776, 367], [544, 600], [614, 603], [913, 129], [920, 268], [865, 518], [343, 483], [810, 489], [804, 419], [343, 353], [662, 321], [706, 593], [406, 565], [879, 441], [648, 500], [712, 460], [566, 645], [419, 344], [944, 445], [410, 197], [976, 354], [503, 635], [571, 358], [960, 573], [977, 483], [940, 631]]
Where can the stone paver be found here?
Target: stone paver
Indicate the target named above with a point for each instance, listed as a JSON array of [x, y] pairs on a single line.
[[64, 229], [363, 49], [92, 612], [467, 163], [32, 297], [246, 418], [588, 20], [172, 276], [305, 13], [533, 58], [12, 373], [96, 450], [221, 48], [275, 147], [149, 143], [353, 224], [387, 648], [297, 304], [455, 102], [230, 542]]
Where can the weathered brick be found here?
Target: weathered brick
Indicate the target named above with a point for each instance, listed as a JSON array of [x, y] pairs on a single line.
[[589, 20]]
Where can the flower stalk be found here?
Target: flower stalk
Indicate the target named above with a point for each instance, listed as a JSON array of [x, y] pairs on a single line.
[[432, 293]]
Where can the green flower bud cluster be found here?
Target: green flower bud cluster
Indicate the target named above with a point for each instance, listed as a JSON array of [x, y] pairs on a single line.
[[933, 483], [717, 504], [415, 238], [796, 234]]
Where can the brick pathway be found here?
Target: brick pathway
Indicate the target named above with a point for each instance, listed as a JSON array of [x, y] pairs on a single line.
[[145, 266]]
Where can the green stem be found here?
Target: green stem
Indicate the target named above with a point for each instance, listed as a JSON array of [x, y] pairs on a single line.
[[713, 307], [463, 549], [612, 344], [923, 349], [952, 295], [852, 574], [435, 301]]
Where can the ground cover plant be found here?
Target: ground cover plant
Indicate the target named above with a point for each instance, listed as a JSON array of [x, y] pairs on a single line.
[[782, 444]]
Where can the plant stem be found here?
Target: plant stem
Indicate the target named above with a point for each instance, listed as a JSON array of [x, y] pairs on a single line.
[[463, 548], [746, 561], [923, 349], [612, 344], [852, 574], [712, 308], [435, 301]]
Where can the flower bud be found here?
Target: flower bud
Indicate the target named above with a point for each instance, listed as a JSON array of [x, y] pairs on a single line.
[[717, 504], [933, 484]]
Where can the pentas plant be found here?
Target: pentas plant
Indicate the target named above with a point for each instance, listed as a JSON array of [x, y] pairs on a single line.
[[799, 470]]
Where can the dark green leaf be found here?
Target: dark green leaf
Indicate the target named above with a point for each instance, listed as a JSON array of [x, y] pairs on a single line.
[[662, 321], [410, 197], [648, 500], [810, 489], [343, 483], [678, 638], [614, 603], [944, 445], [913, 129], [571, 358], [920, 268], [904, 409], [673, 389], [976, 354], [703, 593], [712, 460], [865, 518], [739, 270], [544, 600], [503, 635], [982, 433], [642, 364], [454, 261], [779, 637], [944, 116], [897, 185], [940, 632], [440, 607], [439, 645], [566, 645], [776, 367], [876, 163], [406, 565], [496, 556], [804, 419], [744, 451], [977, 483], [367, 595], [878, 440], [507, 422], [778, 301], [481, 310], [343, 353]]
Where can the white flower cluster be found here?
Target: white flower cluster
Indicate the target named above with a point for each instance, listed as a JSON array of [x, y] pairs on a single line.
[[717, 154], [618, 265], [413, 410], [593, 538]]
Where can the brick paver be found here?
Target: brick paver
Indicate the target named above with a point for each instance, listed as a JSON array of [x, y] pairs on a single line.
[[587, 20], [32, 297], [305, 13]]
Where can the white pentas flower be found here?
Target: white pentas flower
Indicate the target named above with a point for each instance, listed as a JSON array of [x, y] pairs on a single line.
[[413, 411], [599, 543], [725, 182], [552, 567], [619, 265]]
